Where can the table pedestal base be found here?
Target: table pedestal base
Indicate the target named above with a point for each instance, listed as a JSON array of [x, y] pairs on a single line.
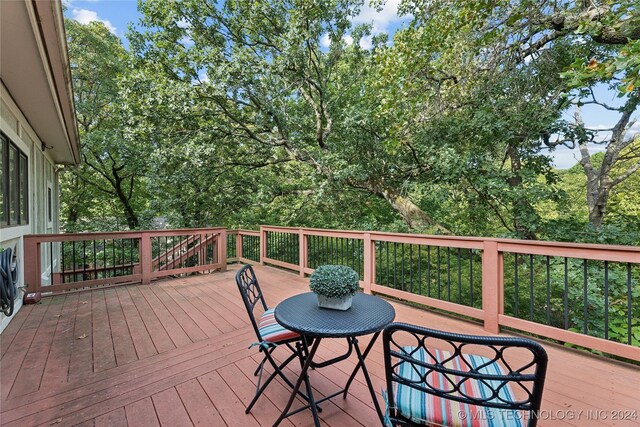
[[306, 354]]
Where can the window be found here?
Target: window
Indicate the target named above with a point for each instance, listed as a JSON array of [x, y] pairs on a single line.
[[49, 204], [14, 203]]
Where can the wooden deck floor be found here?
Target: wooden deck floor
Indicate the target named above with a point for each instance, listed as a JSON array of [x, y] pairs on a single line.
[[175, 353]]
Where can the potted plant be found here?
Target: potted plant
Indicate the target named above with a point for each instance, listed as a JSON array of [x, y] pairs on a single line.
[[334, 285]]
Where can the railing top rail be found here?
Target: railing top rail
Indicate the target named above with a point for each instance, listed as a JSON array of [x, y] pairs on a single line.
[[248, 232], [121, 234], [502, 242]]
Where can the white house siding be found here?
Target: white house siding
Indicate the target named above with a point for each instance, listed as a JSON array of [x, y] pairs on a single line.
[[42, 175]]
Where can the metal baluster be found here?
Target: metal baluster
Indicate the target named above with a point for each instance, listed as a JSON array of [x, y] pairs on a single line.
[[459, 279], [122, 258], [402, 268], [104, 259], [51, 263], [531, 287], [84, 259], [548, 293], [131, 255], [606, 300], [395, 262], [517, 293], [419, 269], [95, 264], [438, 279], [471, 277], [73, 247], [448, 274], [387, 251], [629, 303], [62, 267], [378, 253], [411, 268], [586, 298], [566, 293], [163, 253], [113, 257], [428, 270]]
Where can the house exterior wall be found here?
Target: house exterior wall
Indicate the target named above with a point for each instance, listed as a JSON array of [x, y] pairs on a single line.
[[37, 114], [42, 175]]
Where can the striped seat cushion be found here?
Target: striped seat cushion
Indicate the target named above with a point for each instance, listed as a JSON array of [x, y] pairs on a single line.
[[271, 330], [427, 409]]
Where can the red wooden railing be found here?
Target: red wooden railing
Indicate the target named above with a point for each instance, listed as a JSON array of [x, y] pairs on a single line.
[[493, 251], [149, 255], [391, 264]]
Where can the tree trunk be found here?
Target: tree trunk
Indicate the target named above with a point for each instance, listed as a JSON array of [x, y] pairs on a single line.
[[132, 219], [411, 213], [519, 207], [600, 181]]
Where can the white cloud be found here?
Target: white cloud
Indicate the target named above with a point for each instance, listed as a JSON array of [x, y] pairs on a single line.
[[380, 20], [85, 16], [203, 77], [186, 41], [366, 42], [634, 130], [325, 41], [183, 23], [564, 157]]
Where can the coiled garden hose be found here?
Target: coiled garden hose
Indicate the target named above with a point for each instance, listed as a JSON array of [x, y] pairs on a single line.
[[8, 280]]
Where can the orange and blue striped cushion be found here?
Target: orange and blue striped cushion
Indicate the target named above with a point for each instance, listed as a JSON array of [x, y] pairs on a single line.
[[425, 408], [271, 330]]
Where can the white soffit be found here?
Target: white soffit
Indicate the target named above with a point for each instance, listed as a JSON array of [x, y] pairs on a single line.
[[34, 69]]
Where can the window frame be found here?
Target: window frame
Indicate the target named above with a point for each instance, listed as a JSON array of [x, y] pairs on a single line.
[[15, 188]]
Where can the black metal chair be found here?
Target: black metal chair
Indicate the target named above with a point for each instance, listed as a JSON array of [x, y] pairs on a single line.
[[269, 332], [441, 378]]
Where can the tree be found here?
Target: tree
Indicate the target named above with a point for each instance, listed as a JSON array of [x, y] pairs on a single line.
[[618, 69], [113, 163], [510, 57], [278, 95]]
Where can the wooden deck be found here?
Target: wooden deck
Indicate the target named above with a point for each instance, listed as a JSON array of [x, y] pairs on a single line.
[[175, 353]]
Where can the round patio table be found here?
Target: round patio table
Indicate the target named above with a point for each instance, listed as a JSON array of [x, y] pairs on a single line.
[[300, 313]]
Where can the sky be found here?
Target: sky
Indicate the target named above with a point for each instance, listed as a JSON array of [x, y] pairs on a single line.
[[117, 14]]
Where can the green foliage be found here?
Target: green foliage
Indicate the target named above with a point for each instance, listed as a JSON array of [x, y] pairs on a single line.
[[236, 114], [107, 191], [334, 281]]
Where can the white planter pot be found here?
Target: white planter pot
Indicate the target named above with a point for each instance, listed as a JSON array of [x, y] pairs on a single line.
[[335, 303]]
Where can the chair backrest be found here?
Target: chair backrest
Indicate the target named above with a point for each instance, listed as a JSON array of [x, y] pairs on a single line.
[[445, 365], [251, 294]]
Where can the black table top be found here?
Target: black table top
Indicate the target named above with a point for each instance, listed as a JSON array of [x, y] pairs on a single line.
[[368, 314]]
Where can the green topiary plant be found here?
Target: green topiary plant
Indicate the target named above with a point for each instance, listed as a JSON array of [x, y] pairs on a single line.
[[334, 281]]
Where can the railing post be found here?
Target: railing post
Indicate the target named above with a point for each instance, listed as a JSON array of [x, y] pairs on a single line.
[[491, 273], [302, 251], [238, 245], [32, 259], [146, 257], [263, 245], [222, 250], [369, 263]]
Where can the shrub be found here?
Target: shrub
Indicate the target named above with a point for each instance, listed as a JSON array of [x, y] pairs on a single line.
[[334, 281]]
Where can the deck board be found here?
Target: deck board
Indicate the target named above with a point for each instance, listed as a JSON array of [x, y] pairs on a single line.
[[175, 353]]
